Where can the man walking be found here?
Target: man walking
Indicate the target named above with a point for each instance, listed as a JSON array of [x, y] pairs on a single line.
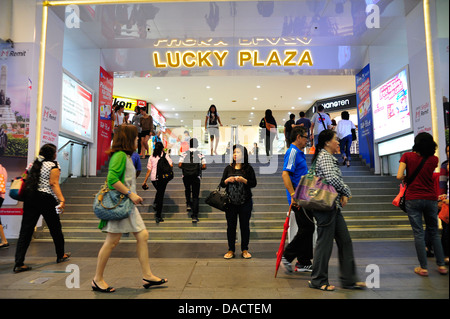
[[192, 162], [301, 247], [319, 122]]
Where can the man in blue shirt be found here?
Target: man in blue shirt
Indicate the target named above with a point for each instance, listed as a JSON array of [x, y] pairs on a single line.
[[294, 167]]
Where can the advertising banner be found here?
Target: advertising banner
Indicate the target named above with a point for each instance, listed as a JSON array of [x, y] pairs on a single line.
[[104, 116], [365, 122]]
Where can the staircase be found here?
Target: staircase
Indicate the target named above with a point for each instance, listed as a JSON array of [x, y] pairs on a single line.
[[369, 214]]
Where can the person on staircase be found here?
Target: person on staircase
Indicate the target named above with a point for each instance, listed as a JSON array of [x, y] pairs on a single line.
[[43, 194], [344, 132], [192, 162], [301, 246], [122, 177], [422, 200], [238, 178]]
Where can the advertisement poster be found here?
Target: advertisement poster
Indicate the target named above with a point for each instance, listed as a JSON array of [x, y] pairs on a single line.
[[365, 123], [104, 123], [391, 106], [76, 109]]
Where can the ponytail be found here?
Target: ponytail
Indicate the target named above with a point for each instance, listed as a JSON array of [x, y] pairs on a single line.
[[46, 153], [324, 137]]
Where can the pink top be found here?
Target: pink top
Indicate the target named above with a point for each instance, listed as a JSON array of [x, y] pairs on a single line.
[[5, 178], [152, 164]]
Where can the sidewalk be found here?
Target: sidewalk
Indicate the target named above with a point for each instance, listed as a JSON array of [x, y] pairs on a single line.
[[198, 271]]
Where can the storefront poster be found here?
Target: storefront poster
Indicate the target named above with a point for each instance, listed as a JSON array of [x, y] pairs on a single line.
[[365, 122], [105, 98]]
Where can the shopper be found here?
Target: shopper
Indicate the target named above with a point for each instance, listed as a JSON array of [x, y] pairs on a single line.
[[269, 125], [331, 224], [444, 197], [192, 162], [344, 133], [43, 194], [3, 181], [117, 116], [212, 123], [288, 129], [421, 199], [159, 184], [301, 246], [146, 122], [122, 177], [136, 121], [238, 178], [319, 122], [305, 122]]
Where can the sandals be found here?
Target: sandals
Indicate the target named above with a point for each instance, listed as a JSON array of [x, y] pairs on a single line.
[[323, 287], [421, 272], [356, 286], [97, 288], [229, 255], [245, 254], [443, 270], [153, 283], [22, 268]]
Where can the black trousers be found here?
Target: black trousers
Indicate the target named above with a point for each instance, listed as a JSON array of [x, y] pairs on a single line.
[[160, 187], [301, 246], [243, 212], [192, 192], [35, 205]]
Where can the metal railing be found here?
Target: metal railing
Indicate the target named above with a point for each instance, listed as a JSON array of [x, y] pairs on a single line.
[[73, 159]]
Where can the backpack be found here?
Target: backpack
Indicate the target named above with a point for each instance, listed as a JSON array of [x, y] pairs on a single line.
[[193, 167], [163, 169]]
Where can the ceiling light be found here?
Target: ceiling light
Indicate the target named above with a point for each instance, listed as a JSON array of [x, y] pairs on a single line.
[[308, 86], [166, 100], [176, 114], [258, 86], [251, 113], [293, 107], [249, 120], [299, 98], [255, 98], [208, 87], [157, 87], [181, 121], [210, 98], [253, 107]]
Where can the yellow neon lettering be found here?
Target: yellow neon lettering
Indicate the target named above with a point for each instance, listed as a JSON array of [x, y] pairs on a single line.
[[220, 58], [156, 61], [256, 62], [203, 59], [185, 60], [306, 58], [244, 56], [290, 55], [273, 58], [170, 55]]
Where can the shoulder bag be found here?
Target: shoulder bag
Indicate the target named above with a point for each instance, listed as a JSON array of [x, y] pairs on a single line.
[[110, 204], [315, 193], [218, 199], [18, 186], [400, 199]]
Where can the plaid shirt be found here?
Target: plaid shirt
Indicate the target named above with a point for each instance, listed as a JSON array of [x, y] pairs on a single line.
[[327, 167]]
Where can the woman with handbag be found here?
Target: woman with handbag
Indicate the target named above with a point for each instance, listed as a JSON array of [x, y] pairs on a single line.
[[122, 177], [421, 200], [238, 178], [269, 124], [331, 224], [42, 196]]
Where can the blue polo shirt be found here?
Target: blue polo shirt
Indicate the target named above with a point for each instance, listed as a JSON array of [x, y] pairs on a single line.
[[295, 164]]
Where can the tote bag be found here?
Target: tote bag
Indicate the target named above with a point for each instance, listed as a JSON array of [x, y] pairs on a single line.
[[315, 193], [17, 189], [110, 204], [218, 199]]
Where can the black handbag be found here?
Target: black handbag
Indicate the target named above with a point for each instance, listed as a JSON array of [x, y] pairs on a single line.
[[218, 199]]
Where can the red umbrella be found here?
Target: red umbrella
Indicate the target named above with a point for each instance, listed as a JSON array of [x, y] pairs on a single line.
[[283, 241]]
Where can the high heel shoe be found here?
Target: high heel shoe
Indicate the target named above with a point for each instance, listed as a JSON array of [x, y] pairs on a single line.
[[97, 288], [153, 283]]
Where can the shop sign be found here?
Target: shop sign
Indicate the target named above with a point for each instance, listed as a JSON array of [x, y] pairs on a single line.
[[341, 102]]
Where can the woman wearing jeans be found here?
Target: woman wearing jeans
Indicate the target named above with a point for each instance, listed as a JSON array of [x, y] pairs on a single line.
[[421, 200], [238, 178], [344, 132]]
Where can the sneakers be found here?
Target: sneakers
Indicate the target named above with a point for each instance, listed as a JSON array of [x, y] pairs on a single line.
[[287, 265], [303, 268]]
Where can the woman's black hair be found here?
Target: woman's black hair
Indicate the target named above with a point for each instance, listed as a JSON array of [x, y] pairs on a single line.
[[46, 153], [345, 115], [424, 144], [244, 165], [215, 112], [158, 150], [324, 137]]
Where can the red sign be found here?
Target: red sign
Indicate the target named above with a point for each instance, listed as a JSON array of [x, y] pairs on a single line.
[[11, 211], [104, 116]]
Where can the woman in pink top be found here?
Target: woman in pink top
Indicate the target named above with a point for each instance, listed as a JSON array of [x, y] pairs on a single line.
[[4, 179], [160, 185]]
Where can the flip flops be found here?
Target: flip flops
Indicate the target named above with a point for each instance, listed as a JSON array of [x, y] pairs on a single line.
[[323, 287]]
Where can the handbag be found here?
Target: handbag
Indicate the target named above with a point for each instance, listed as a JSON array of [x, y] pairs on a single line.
[[17, 188], [315, 193], [400, 199], [218, 199], [110, 204], [443, 213]]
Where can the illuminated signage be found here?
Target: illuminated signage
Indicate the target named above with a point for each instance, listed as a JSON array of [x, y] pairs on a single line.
[[190, 59]]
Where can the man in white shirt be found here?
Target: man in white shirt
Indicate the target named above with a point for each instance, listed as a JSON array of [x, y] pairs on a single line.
[[319, 122]]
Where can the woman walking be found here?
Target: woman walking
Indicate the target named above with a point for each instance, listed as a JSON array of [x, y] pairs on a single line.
[[43, 197], [238, 178], [159, 184], [331, 224], [122, 177], [212, 123], [344, 132], [422, 200], [146, 123]]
